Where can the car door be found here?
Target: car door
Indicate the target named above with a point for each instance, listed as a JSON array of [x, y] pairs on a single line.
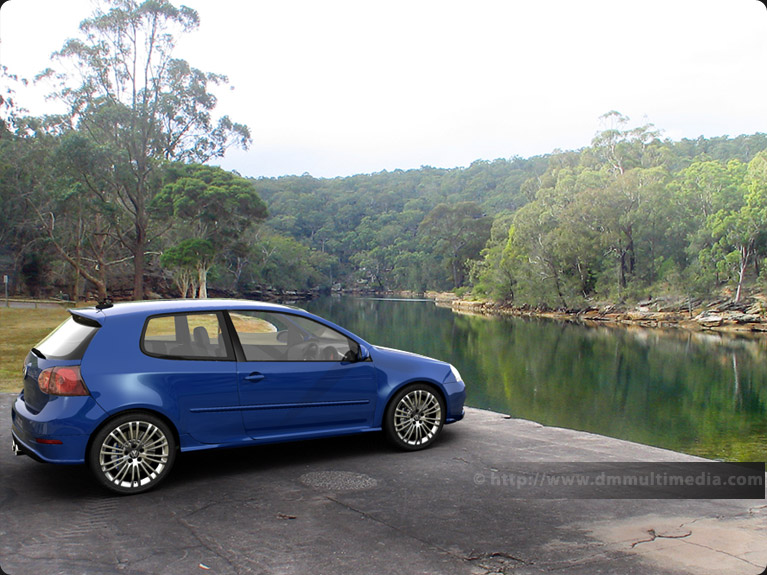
[[193, 361], [300, 377]]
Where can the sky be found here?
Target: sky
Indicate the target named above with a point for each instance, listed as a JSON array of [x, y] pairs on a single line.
[[341, 87]]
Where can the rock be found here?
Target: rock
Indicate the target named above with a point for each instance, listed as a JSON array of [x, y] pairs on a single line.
[[755, 309], [707, 320], [744, 318]]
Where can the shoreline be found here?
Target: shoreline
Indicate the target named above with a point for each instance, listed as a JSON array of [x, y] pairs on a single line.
[[721, 316]]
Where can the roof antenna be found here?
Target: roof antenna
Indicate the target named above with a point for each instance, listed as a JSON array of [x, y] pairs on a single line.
[[106, 303]]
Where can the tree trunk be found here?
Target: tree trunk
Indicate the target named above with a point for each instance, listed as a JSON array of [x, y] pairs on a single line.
[[455, 269], [98, 282], [745, 254], [631, 253], [203, 279], [140, 225], [138, 272], [622, 271]]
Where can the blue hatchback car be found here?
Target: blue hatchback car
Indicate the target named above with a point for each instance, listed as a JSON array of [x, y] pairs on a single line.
[[125, 387]]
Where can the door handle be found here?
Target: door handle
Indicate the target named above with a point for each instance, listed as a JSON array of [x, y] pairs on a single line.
[[255, 376]]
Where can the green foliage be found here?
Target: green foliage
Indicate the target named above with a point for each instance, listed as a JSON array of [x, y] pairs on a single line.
[[626, 218], [134, 121], [493, 275], [283, 263], [189, 262], [217, 204], [457, 233], [371, 223], [213, 209], [615, 222]]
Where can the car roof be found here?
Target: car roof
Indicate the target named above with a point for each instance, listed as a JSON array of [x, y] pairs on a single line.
[[152, 307]]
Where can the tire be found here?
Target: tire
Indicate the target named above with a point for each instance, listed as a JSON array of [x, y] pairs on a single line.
[[132, 453], [414, 418]]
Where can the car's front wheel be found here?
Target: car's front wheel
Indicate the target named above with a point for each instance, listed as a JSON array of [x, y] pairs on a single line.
[[415, 417], [132, 453]]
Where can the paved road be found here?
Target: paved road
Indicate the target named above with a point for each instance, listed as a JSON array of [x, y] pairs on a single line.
[[31, 304], [353, 506]]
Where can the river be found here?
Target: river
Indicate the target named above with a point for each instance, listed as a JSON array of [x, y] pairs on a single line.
[[702, 394]]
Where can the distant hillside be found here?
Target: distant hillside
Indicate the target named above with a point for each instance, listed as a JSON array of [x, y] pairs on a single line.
[[627, 201]]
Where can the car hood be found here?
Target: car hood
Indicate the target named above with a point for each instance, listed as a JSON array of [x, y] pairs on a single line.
[[397, 352], [391, 356]]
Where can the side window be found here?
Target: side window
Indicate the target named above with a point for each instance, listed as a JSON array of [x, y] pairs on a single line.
[[272, 336], [185, 336]]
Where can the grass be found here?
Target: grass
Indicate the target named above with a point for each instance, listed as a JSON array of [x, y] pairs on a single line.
[[22, 329]]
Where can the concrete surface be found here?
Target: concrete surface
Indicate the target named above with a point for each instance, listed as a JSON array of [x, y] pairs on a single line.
[[352, 505]]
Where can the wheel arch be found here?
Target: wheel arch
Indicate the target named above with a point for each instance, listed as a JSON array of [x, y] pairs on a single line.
[[399, 388], [165, 419]]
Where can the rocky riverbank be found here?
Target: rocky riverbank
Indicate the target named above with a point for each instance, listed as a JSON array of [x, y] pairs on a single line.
[[695, 314]]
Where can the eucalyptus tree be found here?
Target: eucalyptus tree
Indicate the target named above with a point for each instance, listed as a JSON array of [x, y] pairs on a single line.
[[189, 262], [140, 106], [19, 153], [740, 233], [493, 275], [216, 208], [457, 232], [20, 159]]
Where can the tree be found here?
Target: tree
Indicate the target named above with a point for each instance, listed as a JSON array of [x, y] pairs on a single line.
[[78, 225], [740, 233], [623, 149], [216, 207], [493, 275], [140, 107], [20, 157], [531, 255], [459, 232], [189, 262], [284, 263], [9, 107]]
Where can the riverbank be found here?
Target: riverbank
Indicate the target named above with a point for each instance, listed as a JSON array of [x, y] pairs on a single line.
[[724, 315]]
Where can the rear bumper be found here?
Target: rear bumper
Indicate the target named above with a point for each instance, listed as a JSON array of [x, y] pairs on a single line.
[[59, 433]]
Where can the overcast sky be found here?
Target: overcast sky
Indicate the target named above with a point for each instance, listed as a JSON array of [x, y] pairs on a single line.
[[336, 88]]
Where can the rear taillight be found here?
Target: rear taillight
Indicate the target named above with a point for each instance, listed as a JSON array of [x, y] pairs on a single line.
[[62, 381]]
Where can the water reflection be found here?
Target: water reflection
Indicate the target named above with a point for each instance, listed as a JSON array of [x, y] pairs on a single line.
[[693, 392]]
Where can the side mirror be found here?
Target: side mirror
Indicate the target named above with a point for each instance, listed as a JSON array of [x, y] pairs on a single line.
[[356, 353]]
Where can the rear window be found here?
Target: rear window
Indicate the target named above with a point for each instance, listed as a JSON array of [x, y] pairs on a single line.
[[186, 336], [69, 340]]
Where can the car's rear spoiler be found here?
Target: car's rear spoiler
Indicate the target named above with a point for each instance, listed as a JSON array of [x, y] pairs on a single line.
[[87, 316]]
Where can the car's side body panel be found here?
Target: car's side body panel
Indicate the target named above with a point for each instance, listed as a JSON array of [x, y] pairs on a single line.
[[306, 396]]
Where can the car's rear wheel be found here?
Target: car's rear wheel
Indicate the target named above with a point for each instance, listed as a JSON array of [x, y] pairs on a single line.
[[132, 453], [415, 417]]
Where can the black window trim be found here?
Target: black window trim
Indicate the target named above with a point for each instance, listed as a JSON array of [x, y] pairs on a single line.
[[223, 320]]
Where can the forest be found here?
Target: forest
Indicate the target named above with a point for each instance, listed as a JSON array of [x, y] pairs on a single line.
[[120, 197], [629, 216]]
